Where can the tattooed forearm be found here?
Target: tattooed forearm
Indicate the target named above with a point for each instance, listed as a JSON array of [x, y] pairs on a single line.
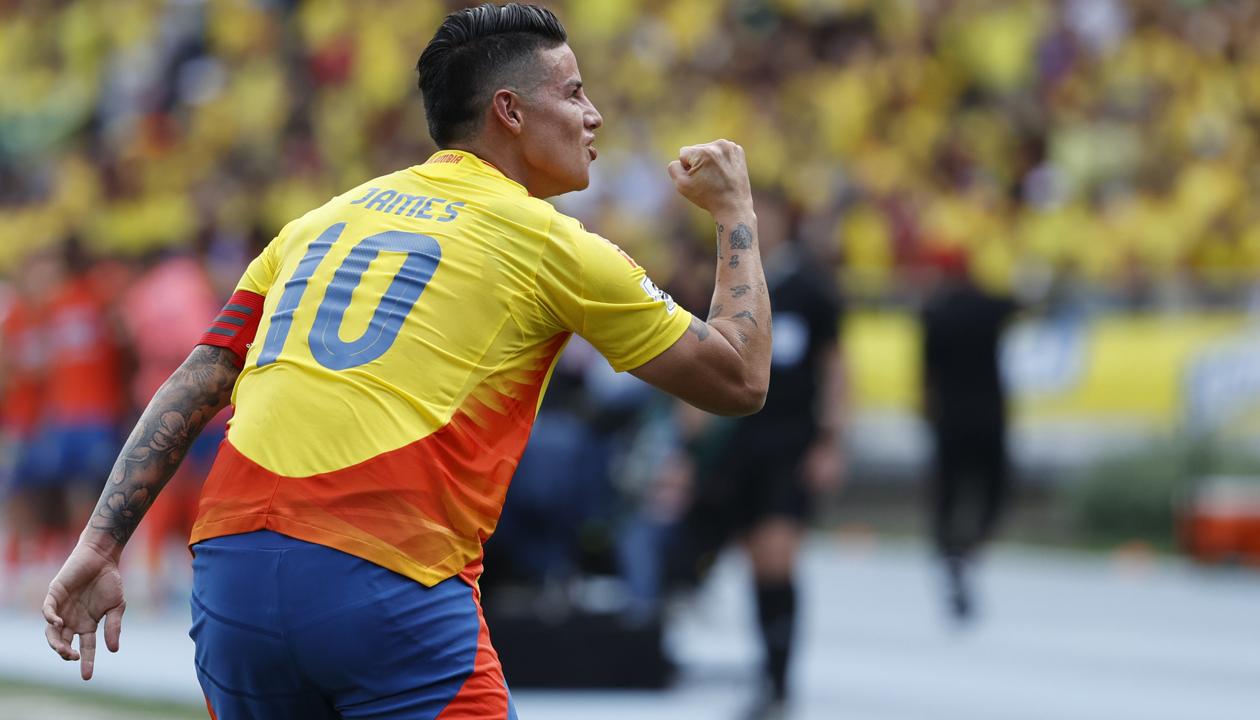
[[700, 328], [740, 291], [746, 315], [720, 229], [734, 261], [715, 312], [741, 237], [197, 391]]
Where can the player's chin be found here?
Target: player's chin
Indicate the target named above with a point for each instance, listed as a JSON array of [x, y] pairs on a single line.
[[581, 180]]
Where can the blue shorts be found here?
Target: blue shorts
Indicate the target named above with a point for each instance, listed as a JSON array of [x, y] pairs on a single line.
[[288, 629], [66, 455]]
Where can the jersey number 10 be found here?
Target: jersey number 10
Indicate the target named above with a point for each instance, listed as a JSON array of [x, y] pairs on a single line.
[[423, 256]]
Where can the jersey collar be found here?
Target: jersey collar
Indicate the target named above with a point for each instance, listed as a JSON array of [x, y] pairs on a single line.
[[463, 158]]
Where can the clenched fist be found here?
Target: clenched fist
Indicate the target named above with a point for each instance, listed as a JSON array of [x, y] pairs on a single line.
[[714, 176]]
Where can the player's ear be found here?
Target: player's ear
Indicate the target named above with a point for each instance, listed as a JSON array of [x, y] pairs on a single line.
[[505, 107]]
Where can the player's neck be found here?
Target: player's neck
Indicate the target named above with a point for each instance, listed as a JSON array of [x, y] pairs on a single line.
[[502, 158]]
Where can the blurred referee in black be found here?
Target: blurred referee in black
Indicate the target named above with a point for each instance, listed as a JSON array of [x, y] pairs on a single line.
[[964, 403], [758, 487]]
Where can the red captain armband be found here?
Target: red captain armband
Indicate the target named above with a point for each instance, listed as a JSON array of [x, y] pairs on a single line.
[[236, 325]]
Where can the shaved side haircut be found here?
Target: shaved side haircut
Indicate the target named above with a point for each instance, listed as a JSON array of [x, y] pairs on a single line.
[[476, 52]]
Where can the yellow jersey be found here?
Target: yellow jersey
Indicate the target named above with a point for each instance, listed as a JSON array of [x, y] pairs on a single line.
[[408, 330]]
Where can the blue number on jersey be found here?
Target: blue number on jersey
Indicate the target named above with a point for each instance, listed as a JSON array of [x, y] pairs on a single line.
[[294, 289], [423, 256]]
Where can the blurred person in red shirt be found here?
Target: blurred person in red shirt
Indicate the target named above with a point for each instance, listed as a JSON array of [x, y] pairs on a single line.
[[84, 400], [21, 393], [164, 313]]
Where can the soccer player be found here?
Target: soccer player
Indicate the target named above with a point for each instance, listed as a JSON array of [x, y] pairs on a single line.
[[386, 354]]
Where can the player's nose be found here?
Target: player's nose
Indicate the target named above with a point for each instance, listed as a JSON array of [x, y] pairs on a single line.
[[593, 120]]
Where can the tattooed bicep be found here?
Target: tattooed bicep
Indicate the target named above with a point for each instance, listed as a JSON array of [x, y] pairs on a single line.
[[212, 366], [211, 355], [204, 383]]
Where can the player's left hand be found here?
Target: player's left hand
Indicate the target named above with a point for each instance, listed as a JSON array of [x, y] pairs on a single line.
[[824, 467], [87, 588]]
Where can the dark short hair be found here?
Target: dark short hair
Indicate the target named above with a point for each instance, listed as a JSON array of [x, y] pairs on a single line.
[[475, 52]]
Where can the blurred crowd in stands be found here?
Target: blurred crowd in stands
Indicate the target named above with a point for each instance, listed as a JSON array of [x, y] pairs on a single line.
[[148, 149], [1109, 140]]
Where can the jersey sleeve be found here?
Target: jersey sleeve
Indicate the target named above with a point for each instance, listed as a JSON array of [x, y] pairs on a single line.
[[261, 272], [589, 286]]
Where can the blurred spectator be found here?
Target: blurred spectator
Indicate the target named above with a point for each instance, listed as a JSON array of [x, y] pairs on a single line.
[[165, 312], [22, 377], [965, 406], [665, 454], [559, 519], [85, 393]]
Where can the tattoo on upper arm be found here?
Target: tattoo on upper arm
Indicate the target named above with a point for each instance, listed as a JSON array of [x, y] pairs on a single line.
[[741, 237], [740, 290], [734, 261], [746, 315], [700, 328], [176, 415]]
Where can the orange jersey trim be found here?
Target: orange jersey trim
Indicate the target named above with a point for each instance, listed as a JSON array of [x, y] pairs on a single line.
[[422, 510]]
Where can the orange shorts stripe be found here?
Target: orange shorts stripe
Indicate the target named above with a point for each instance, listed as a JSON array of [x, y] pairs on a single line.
[[484, 694]]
